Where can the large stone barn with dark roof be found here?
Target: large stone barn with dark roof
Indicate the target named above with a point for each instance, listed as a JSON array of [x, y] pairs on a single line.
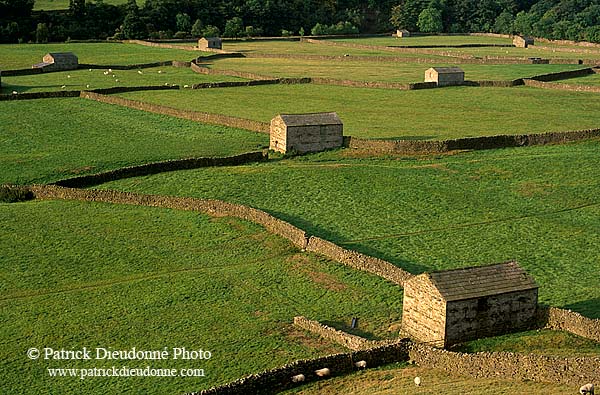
[[58, 61], [210, 43], [447, 307], [306, 132]]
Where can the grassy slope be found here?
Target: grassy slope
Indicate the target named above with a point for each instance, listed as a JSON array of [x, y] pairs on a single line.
[[422, 114], [80, 79], [383, 71], [22, 56], [399, 380], [55, 144], [593, 79], [98, 275], [426, 40], [430, 214]]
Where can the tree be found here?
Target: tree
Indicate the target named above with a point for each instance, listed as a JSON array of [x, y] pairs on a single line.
[[183, 22], [77, 8], [133, 27], [524, 22], [504, 23], [41, 33], [197, 28], [430, 21], [234, 27], [211, 31], [406, 14]]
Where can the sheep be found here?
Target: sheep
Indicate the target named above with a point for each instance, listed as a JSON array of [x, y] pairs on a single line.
[[361, 364], [587, 389], [15, 92], [323, 372], [140, 72], [417, 381], [298, 378]]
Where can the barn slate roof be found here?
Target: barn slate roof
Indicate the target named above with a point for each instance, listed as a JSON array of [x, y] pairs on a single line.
[[320, 118], [447, 70], [57, 56], [480, 281]]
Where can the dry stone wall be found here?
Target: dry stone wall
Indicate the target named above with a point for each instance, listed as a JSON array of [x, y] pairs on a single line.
[[347, 340], [508, 366], [215, 119], [279, 379], [39, 95], [126, 66], [570, 321], [563, 87], [358, 261]]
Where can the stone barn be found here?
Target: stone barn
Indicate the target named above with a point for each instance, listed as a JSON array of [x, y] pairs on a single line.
[[58, 61], [402, 33], [522, 41], [445, 76], [210, 43], [306, 132], [448, 307]]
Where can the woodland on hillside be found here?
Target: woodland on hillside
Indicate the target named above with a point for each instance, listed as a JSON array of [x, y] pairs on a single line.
[[553, 19]]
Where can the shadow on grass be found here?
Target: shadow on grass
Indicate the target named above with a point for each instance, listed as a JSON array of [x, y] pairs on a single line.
[[312, 230], [345, 326], [589, 308]]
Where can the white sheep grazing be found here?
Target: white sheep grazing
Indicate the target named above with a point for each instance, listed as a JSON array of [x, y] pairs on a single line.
[[323, 372], [587, 389], [361, 364], [298, 378], [417, 381]]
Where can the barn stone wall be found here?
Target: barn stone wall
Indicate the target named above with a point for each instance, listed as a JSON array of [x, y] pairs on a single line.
[[305, 138], [423, 312], [490, 316]]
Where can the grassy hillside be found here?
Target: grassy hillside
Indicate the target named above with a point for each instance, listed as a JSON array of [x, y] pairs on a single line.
[[536, 205], [98, 275]]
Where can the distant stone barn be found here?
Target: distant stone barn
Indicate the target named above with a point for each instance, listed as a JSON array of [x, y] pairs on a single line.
[[402, 33], [306, 132], [58, 61], [522, 41], [448, 307], [445, 76], [210, 43]]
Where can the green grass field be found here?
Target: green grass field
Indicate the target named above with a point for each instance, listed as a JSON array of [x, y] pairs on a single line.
[[46, 140], [379, 71], [536, 205], [426, 40], [99, 275], [592, 79], [22, 56], [386, 113], [95, 78]]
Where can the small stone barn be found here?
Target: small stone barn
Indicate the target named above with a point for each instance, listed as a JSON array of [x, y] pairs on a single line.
[[210, 43], [445, 76], [58, 61], [402, 33], [522, 41], [448, 307], [306, 132]]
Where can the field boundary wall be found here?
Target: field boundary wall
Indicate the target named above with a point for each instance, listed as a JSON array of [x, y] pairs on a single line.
[[159, 167], [205, 117], [39, 95], [562, 87], [469, 143], [566, 320]]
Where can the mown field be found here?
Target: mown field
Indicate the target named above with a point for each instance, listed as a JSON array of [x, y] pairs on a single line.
[[95, 78], [428, 114], [536, 205], [380, 71], [47, 140], [592, 79], [99, 275], [22, 56]]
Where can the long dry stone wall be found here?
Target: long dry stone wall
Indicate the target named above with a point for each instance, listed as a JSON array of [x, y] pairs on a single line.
[[471, 143], [230, 73], [39, 95], [159, 167], [508, 366], [126, 66], [279, 379], [358, 261], [205, 117], [563, 87]]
